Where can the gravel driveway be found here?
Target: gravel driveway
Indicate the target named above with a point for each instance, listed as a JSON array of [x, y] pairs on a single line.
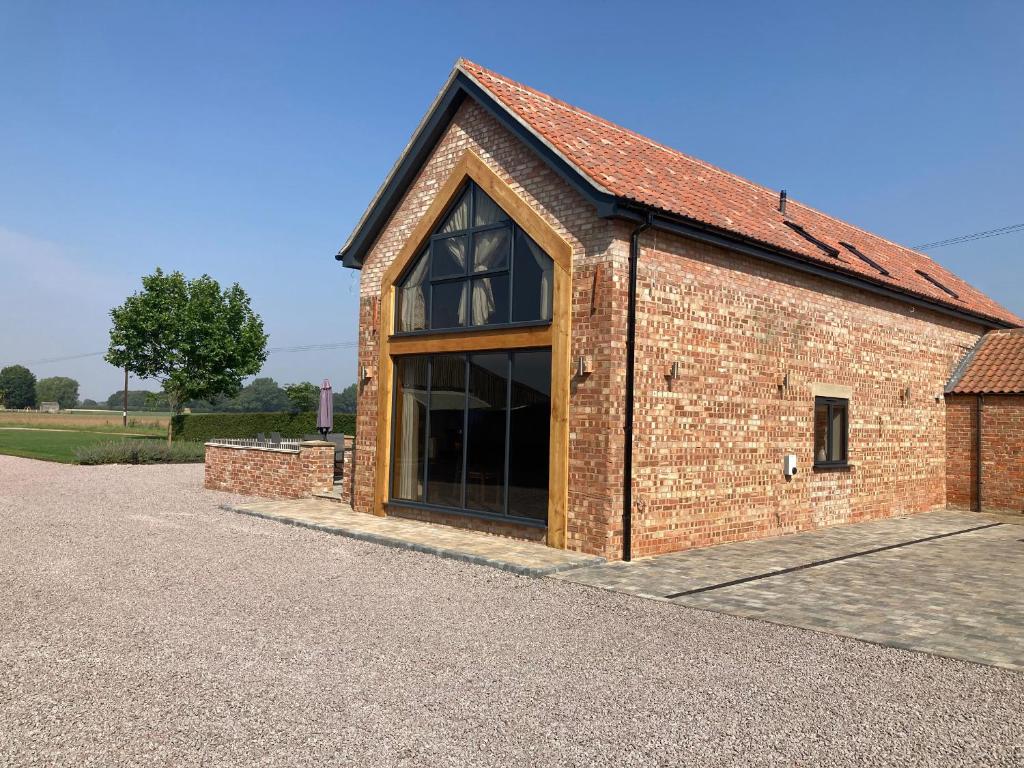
[[140, 624]]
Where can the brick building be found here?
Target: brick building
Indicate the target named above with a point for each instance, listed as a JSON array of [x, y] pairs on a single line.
[[985, 426], [571, 333]]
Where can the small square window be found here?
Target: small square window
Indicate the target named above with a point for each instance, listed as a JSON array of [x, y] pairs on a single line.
[[831, 429]]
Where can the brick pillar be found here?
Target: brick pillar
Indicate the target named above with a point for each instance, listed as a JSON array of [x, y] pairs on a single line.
[[316, 457], [348, 470]]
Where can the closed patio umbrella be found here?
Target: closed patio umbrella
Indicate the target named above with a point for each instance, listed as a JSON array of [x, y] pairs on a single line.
[[325, 413]]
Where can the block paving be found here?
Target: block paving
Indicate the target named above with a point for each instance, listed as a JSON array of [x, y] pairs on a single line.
[[957, 596]]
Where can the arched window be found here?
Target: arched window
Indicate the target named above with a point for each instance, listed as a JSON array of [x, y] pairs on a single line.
[[479, 269]]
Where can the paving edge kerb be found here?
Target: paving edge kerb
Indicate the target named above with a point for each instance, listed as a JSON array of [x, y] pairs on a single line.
[[451, 554]]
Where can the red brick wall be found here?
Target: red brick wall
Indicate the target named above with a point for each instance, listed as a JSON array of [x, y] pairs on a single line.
[[1002, 452], [961, 451], [599, 262], [709, 445], [273, 473], [347, 480]]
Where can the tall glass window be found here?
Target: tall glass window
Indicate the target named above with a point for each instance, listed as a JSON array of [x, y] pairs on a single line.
[[472, 432], [446, 439], [410, 427], [478, 269], [529, 435]]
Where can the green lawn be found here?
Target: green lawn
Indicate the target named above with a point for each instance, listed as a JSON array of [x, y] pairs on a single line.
[[51, 445]]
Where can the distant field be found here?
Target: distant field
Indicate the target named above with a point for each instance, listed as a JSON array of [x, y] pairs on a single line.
[[53, 445], [105, 421]]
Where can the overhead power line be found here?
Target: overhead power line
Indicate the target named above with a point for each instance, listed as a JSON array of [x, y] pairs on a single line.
[[271, 351], [973, 236]]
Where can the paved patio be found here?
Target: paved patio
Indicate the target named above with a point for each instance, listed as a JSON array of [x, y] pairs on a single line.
[[525, 558], [947, 583]]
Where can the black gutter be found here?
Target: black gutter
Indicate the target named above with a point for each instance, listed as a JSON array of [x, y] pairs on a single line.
[[627, 459]]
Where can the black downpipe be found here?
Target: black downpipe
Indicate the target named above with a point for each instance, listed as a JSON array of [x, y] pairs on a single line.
[[977, 455], [627, 462]]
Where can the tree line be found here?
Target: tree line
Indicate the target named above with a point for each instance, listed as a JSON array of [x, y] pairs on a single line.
[[199, 341], [19, 388]]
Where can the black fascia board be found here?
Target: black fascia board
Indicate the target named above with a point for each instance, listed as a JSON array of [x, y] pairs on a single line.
[[424, 142], [352, 254]]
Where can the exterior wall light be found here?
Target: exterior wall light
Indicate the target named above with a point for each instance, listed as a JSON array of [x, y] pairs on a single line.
[[585, 365]]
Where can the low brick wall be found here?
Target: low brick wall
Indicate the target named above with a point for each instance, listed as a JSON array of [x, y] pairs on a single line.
[[273, 473], [345, 480]]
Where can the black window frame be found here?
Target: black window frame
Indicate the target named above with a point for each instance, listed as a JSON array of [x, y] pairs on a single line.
[[469, 276], [831, 404]]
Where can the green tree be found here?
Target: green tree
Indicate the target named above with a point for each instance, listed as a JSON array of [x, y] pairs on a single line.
[[89, 403], [58, 388], [345, 401], [304, 396], [138, 400], [261, 396], [17, 387], [198, 341]]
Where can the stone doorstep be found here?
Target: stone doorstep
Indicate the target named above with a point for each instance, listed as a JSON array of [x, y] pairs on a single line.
[[523, 558], [329, 495]]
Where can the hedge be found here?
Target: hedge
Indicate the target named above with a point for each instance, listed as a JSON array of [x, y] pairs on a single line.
[[211, 426], [140, 452]]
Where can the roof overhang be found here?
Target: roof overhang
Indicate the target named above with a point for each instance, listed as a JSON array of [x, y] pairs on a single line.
[[461, 84]]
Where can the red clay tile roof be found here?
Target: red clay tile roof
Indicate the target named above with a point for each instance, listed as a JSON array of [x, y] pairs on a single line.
[[633, 167], [995, 366]]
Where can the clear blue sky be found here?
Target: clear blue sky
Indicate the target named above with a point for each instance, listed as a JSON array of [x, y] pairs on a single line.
[[245, 139]]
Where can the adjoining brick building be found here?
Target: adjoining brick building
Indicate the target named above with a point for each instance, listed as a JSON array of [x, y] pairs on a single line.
[[985, 426], [571, 333]]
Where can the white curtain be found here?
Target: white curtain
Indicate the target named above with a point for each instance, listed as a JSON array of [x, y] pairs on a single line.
[[414, 303], [543, 262], [490, 252], [410, 442], [487, 211], [457, 248], [458, 219]]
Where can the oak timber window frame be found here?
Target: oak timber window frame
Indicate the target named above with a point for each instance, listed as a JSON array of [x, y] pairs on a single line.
[[554, 334]]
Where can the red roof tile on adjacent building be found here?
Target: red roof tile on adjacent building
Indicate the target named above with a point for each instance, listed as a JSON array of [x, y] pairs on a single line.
[[636, 168], [995, 366]]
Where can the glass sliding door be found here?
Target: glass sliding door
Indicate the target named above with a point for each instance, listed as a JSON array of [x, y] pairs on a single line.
[[447, 429], [529, 435], [487, 417], [471, 432]]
